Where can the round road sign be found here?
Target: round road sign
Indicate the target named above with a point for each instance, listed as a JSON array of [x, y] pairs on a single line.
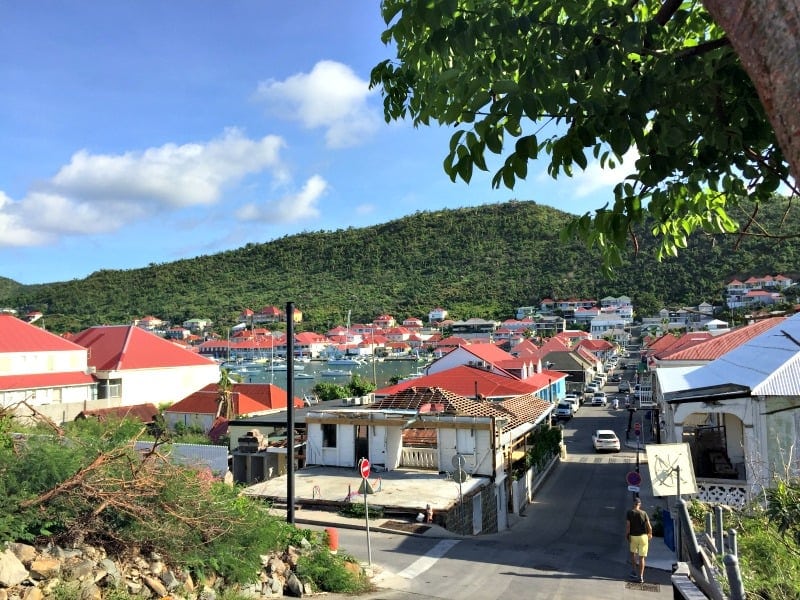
[[633, 478], [363, 466]]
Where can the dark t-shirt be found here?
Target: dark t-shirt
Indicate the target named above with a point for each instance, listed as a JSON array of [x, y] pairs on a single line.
[[638, 520]]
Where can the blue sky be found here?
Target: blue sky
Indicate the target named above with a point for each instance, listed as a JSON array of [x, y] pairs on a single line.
[[139, 132]]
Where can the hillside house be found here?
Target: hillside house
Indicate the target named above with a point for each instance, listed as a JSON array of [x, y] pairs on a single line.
[[133, 366], [431, 429], [740, 412], [48, 373]]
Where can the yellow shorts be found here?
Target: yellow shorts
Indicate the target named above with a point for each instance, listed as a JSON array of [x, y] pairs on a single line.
[[639, 544]]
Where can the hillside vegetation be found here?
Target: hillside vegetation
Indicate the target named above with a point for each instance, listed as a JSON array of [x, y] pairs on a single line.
[[475, 262]]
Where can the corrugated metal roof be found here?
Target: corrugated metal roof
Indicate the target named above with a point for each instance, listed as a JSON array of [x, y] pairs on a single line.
[[769, 364]]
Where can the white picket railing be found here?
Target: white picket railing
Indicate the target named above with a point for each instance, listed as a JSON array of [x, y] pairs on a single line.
[[420, 458]]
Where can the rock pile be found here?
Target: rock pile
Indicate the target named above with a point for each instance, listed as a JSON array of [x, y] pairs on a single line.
[[87, 573]]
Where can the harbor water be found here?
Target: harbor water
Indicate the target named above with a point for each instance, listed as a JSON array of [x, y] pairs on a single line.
[[309, 374]]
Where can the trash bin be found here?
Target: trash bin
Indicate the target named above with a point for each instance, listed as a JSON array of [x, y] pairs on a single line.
[[669, 529]]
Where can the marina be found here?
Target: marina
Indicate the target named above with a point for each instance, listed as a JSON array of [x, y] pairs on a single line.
[[309, 374]]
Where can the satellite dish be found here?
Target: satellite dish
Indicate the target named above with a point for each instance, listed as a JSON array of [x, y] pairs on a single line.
[[459, 462], [460, 475]]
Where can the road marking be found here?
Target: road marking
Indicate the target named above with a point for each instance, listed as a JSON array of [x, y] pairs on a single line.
[[425, 562]]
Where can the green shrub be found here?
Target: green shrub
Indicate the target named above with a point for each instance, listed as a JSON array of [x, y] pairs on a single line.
[[328, 573], [357, 509], [768, 561], [151, 504]]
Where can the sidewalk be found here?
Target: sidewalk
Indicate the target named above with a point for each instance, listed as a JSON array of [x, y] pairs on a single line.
[[659, 555]]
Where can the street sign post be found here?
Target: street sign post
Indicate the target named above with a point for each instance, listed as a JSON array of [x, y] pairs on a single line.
[[634, 478], [363, 467]]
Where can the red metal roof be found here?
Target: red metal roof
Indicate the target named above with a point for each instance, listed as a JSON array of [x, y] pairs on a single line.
[[717, 346], [248, 398], [44, 380], [124, 347], [469, 381], [18, 336]]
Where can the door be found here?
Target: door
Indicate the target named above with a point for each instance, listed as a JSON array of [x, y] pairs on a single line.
[[361, 443]]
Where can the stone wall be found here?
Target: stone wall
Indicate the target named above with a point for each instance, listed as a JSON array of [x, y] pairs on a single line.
[[88, 573]]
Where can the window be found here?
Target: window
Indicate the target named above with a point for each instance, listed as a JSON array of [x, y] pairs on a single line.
[[109, 388], [329, 435]]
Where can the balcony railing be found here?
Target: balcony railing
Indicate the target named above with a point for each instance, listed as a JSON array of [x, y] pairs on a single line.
[[723, 491], [420, 458]]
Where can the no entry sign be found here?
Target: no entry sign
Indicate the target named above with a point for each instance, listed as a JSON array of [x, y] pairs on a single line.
[[364, 468]]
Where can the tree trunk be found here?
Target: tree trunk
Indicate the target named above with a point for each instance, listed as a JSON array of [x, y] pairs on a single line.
[[766, 36]]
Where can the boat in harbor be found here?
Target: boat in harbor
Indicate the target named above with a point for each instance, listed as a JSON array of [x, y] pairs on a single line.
[[335, 373], [350, 362]]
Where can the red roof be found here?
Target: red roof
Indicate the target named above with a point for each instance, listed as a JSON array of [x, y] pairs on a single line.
[[525, 408], [673, 344], [469, 381], [717, 346], [18, 336], [44, 380], [124, 347], [248, 398], [488, 352], [595, 345]]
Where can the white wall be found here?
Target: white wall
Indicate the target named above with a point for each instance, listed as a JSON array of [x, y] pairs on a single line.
[[162, 386], [34, 363], [203, 421]]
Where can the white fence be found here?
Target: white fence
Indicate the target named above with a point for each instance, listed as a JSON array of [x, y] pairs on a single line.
[[194, 455]]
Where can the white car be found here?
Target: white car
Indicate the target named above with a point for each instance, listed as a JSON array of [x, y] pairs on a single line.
[[574, 400], [599, 399], [605, 440]]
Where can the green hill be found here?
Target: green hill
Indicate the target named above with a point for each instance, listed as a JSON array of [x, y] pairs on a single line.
[[475, 262]]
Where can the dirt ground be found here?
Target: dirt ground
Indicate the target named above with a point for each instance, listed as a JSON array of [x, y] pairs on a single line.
[[406, 526]]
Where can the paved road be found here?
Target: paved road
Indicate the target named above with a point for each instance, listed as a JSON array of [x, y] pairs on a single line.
[[568, 545]]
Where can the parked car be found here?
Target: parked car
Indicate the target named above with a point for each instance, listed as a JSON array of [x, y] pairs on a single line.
[[574, 401], [591, 388], [563, 411], [624, 387], [599, 399], [605, 439]]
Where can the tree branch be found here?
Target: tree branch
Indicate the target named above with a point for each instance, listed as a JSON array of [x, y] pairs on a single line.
[[703, 48], [664, 14]]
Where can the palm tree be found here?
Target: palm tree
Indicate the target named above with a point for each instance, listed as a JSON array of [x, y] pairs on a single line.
[[224, 395]]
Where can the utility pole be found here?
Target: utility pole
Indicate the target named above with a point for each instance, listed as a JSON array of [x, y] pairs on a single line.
[[289, 412]]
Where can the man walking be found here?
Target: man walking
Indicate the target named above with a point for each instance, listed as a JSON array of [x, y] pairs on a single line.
[[638, 532]]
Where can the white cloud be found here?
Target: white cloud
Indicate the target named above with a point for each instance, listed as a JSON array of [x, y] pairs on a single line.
[[99, 193], [175, 175], [294, 207], [596, 177], [13, 231], [331, 97]]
